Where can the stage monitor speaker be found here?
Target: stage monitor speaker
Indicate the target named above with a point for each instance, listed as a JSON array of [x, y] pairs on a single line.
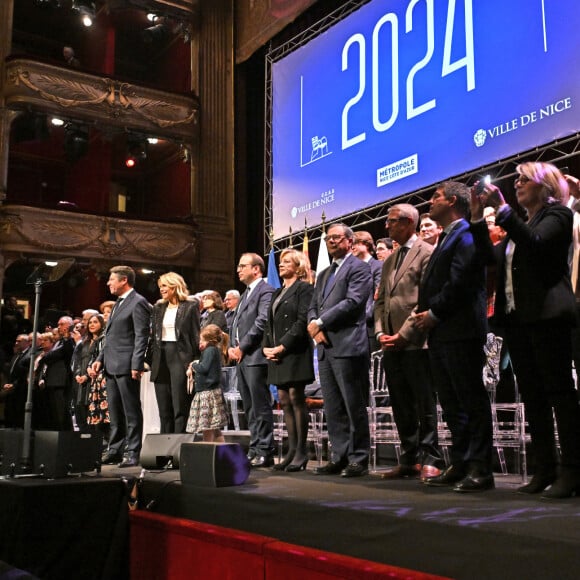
[[10, 451], [161, 450], [59, 453], [213, 464]]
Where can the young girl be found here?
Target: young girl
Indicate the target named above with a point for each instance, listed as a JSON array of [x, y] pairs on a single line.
[[208, 412]]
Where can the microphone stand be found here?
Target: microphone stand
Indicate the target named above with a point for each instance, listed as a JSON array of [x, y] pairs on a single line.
[[40, 276]]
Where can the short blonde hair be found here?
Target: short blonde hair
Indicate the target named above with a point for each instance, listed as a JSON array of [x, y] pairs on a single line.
[[174, 280], [300, 260], [554, 186]]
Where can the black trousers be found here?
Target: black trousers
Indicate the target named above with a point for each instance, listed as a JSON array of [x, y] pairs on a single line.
[[457, 368], [541, 355], [124, 399], [408, 375], [171, 390]]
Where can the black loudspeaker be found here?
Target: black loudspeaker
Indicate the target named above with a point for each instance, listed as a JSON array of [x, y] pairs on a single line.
[[10, 451], [161, 451], [58, 453], [213, 464]]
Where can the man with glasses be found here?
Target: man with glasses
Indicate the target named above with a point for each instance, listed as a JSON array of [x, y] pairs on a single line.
[[246, 350], [231, 300], [405, 358], [337, 316]]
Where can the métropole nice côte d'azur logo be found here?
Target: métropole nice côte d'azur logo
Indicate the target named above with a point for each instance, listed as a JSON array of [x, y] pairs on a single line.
[[481, 135]]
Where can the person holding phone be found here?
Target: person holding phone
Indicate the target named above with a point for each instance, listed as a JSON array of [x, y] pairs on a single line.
[[535, 305]]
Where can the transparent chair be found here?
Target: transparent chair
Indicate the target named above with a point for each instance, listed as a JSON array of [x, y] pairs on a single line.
[[508, 419], [382, 427], [232, 395], [317, 432]]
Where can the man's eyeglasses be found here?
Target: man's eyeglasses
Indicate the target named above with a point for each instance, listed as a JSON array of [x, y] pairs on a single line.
[[395, 220], [242, 266], [335, 238]]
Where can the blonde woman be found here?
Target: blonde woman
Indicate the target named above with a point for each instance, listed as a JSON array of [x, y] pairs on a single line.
[[173, 345]]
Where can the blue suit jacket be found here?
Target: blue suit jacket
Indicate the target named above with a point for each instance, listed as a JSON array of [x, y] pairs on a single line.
[[453, 287], [126, 336], [249, 323], [343, 310]]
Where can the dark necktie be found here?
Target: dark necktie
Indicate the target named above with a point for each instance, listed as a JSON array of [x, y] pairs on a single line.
[[116, 307], [401, 257], [330, 279]]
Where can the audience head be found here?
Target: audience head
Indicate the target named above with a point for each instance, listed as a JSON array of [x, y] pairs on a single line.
[[212, 335], [121, 280], [95, 325], [429, 229], [250, 268], [299, 264], [384, 248], [363, 245], [450, 202], [339, 239], [106, 308], [540, 183], [402, 222], [212, 300], [172, 287], [231, 299]]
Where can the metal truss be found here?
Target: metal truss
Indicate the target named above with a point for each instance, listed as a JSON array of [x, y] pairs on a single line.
[[503, 171]]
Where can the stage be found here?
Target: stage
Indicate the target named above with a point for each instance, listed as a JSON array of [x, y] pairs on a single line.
[[49, 526], [497, 534]]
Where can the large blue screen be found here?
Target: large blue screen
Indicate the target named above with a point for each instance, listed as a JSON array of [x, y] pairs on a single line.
[[405, 93]]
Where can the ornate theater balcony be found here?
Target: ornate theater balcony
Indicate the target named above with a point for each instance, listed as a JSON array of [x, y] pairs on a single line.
[[26, 231], [65, 92]]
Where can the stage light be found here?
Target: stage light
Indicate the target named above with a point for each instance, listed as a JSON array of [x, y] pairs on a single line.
[[51, 264], [86, 9], [156, 33], [47, 3], [152, 140], [56, 122], [136, 150], [152, 17]]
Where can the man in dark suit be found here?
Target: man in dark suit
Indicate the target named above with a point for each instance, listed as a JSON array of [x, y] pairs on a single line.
[[231, 300], [15, 391], [405, 358], [56, 377], [452, 309], [246, 349], [337, 317], [123, 357]]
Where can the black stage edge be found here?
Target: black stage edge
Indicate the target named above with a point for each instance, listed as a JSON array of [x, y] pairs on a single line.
[[497, 534], [69, 528]]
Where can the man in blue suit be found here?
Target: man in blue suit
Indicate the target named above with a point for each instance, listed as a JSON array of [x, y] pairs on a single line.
[[123, 358], [337, 317], [246, 349], [452, 309]]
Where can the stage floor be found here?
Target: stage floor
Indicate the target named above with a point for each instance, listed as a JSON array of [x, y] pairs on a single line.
[[497, 534]]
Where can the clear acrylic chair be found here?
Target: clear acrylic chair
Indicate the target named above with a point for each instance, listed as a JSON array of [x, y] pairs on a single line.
[[382, 427], [508, 419]]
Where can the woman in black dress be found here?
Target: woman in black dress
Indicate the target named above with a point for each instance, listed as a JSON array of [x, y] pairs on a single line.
[[288, 348]]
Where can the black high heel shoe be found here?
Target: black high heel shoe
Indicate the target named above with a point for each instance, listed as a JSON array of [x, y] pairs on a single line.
[[293, 467], [284, 463]]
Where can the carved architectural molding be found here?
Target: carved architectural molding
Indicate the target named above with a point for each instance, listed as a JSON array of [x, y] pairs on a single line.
[[40, 232], [69, 92], [257, 21]]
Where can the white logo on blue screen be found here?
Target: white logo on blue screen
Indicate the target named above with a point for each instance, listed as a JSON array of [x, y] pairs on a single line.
[[479, 137], [326, 198], [397, 170]]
